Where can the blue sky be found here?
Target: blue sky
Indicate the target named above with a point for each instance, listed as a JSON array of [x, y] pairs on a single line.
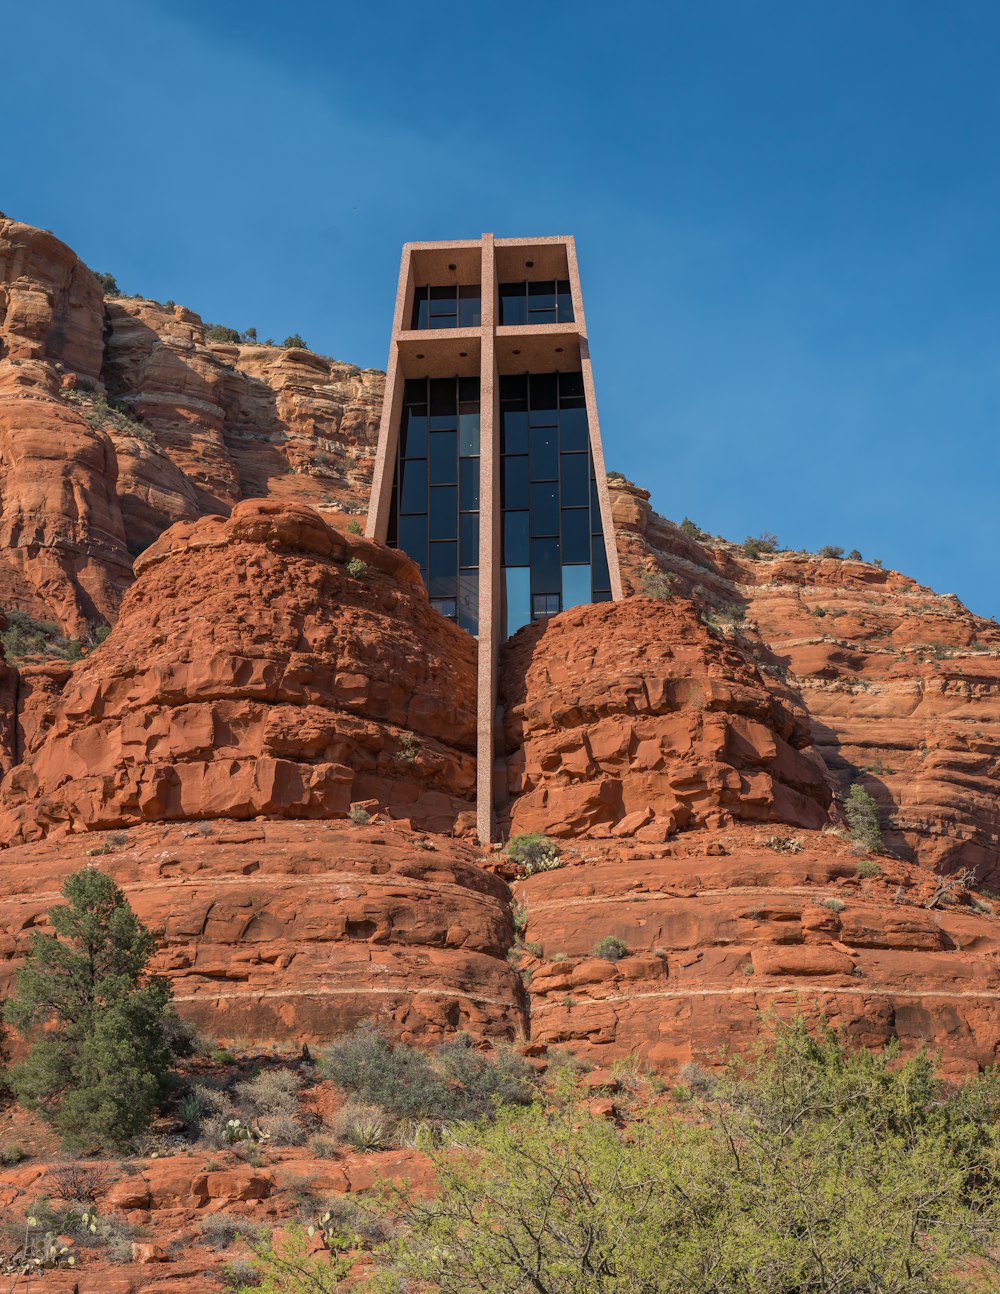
[[814, 349]]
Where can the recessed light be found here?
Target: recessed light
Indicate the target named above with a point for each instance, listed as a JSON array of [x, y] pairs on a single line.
[[559, 350], [463, 354], [530, 265], [516, 352], [420, 357], [451, 267]]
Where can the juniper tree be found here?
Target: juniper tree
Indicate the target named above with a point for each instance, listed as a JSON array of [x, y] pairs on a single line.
[[92, 1016]]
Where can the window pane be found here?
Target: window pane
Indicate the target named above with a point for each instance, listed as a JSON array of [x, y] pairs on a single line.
[[574, 476], [468, 539], [544, 454], [573, 429], [444, 457], [443, 396], [576, 535], [514, 387], [442, 578], [595, 508], [602, 580], [564, 301], [413, 435], [570, 386], [514, 432], [544, 605], [468, 484], [546, 575], [514, 482], [513, 306], [544, 508], [468, 426], [468, 391], [517, 599], [419, 317], [515, 539], [543, 391], [575, 586], [542, 295], [392, 529], [470, 310], [444, 512], [542, 316], [413, 485], [443, 321], [415, 391], [468, 602], [413, 537]]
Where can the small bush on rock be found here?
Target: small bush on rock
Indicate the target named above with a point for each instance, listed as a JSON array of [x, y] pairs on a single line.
[[611, 948], [356, 568], [867, 869], [863, 819], [294, 341], [534, 851], [220, 334]]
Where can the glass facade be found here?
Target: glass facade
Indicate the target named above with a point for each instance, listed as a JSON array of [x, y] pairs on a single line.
[[548, 301], [452, 306], [552, 539], [434, 516]]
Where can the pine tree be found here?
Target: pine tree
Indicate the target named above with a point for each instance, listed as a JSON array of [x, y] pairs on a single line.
[[93, 1017]]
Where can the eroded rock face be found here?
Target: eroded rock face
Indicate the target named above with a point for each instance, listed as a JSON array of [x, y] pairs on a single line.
[[901, 685], [716, 939], [250, 673], [290, 931], [118, 419], [633, 718]]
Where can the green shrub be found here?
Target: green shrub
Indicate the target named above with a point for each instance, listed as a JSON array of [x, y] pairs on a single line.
[[356, 568], [353, 527], [611, 948], [293, 1266], [782, 844], [692, 531], [854, 556], [867, 869], [654, 584], [816, 1168], [534, 851], [26, 636], [359, 815], [109, 284], [835, 905], [456, 1082], [408, 749], [755, 545], [830, 550], [294, 340], [92, 1015], [365, 1127], [863, 818], [221, 334]]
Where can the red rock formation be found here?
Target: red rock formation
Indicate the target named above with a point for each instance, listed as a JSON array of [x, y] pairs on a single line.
[[291, 931], [250, 673], [901, 685], [714, 940], [634, 717]]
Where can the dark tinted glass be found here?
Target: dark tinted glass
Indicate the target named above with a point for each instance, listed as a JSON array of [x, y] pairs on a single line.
[[599, 567], [513, 306], [544, 605], [595, 507], [575, 478], [515, 482], [413, 485], [442, 573], [443, 396], [545, 508], [468, 539], [544, 454], [419, 318], [514, 387], [413, 435], [468, 602], [542, 302], [444, 457], [443, 512], [543, 391], [413, 538], [392, 530], [415, 390], [468, 390], [443, 307], [564, 302], [515, 539], [468, 484], [514, 432], [575, 535], [573, 429], [546, 572], [570, 386], [468, 425], [445, 607], [470, 313]]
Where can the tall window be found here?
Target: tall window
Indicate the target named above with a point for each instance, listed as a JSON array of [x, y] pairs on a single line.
[[552, 544], [536, 303], [435, 499], [448, 307]]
